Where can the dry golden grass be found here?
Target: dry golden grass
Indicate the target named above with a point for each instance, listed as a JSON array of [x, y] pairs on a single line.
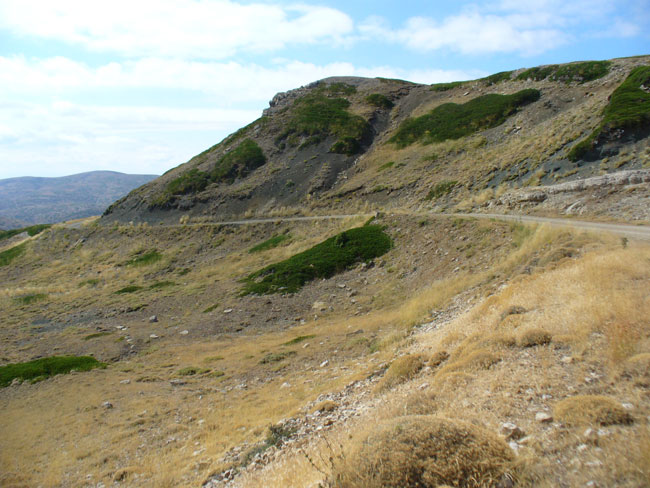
[[533, 336], [402, 369], [591, 410], [424, 451]]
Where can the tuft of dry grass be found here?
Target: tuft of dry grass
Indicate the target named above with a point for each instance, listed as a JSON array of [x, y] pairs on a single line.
[[326, 406], [402, 369], [424, 451], [591, 410], [438, 358], [533, 336], [638, 368]]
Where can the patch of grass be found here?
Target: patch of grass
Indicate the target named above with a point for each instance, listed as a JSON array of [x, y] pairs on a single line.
[[628, 108], [402, 369], [385, 166], [337, 89], [211, 308], [270, 243], [299, 339], [453, 121], [92, 282], [32, 230], [276, 436], [426, 451], [442, 87], [239, 162], [497, 78], [533, 337], [96, 335], [591, 409], [29, 299], [276, 357], [191, 371], [128, 289], [318, 115], [441, 189], [193, 181], [161, 284], [538, 74], [321, 261], [9, 255], [144, 259], [379, 100], [45, 367]]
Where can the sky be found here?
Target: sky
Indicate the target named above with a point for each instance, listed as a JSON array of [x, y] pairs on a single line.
[[141, 86]]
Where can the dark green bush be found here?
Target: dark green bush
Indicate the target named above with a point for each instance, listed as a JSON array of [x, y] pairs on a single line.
[[144, 259], [497, 78], [192, 181], [347, 145], [628, 108], [441, 87], [45, 367], [239, 162], [321, 261], [539, 73], [128, 289], [161, 284], [582, 72], [379, 100], [96, 335], [299, 339], [441, 189], [271, 243], [29, 299], [8, 255], [31, 231], [453, 121]]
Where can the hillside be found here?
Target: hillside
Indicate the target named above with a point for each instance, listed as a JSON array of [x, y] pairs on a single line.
[[30, 200], [367, 330], [344, 142]]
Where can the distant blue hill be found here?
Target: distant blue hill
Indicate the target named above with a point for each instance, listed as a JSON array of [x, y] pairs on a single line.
[[32, 200]]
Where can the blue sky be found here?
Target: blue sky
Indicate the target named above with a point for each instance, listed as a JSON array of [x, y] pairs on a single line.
[[141, 86]]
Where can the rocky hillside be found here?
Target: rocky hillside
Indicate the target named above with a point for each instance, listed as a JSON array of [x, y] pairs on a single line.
[[351, 141], [29, 200]]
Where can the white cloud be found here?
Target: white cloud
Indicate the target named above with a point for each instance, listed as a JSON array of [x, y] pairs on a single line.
[[192, 29], [510, 26]]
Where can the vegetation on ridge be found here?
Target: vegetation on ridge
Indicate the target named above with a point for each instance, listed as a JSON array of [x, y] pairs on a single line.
[[574, 72], [321, 261], [628, 108], [8, 255], [32, 230], [453, 121]]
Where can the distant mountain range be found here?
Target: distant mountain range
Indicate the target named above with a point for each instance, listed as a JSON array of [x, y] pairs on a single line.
[[32, 200]]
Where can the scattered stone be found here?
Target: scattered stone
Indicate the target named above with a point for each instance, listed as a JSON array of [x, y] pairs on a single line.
[[153, 318], [177, 382], [125, 382], [627, 406], [285, 385], [341, 285], [228, 310], [324, 363], [16, 382], [543, 417], [107, 405], [184, 332], [511, 431], [567, 359], [423, 386], [153, 336]]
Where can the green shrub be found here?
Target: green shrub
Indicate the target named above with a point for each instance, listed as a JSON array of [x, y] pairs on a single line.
[[31, 231], [628, 108], [45, 367], [347, 145], [582, 72], [128, 289], [271, 243], [379, 100], [29, 299], [538, 74], [161, 284], [299, 339], [192, 370], [239, 162], [144, 259], [193, 181], [96, 335], [7, 256], [387, 165], [497, 78], [321, 261], [453, 121], [441, 87], [91, 282], [275, 357], [441, 189], [338, 89], [211, 308], [317, 115]]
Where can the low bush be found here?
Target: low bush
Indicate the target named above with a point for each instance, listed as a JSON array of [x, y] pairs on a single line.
[[441, 189], [591, 410], [379, 100], [29, 299], [96, 335], [533, 336], [31, 231], [161, 284], [191, 371], [299, 339], [271, 243], [239, 162], [276, 357], [128, 289], [402, 369], [442, 87], [581, 72], [423, 451], [144, 259], [628, 108], [321, 261], [539, 73], [9, 255], [453, 121], [43, 368]]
